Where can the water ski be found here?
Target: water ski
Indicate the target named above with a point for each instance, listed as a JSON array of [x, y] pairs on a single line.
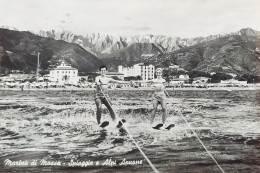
[[170, 126], [159, 126], [104, 124], [120, 123]]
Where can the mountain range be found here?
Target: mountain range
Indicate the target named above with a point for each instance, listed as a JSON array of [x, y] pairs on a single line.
[[18, 51], [235, 52], [102, 44]]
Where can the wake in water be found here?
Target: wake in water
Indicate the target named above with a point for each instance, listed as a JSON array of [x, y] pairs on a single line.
[[68, 130], [71, 129]]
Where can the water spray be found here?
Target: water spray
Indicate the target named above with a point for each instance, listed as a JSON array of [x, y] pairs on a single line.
[[131, 137]]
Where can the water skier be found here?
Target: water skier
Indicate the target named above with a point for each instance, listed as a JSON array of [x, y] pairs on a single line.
[[159, 97], [101, 93]]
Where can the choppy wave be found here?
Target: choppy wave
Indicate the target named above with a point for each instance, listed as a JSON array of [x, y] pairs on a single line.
[[63, 126]]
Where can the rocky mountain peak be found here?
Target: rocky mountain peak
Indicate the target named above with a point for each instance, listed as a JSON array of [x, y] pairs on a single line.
[[249, 32], [103, 44]]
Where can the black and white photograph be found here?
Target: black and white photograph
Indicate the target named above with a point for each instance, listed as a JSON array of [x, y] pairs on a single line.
[[122, 86]]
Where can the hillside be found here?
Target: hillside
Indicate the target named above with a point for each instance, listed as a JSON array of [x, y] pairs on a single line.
[[235, 54], [18, 50]]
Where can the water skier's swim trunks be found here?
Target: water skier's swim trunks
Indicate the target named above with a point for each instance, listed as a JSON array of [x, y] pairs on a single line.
[[101, 95], [159, 96]]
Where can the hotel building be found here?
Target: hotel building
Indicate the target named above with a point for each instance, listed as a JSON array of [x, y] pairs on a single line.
[[145, 71], [64, 73]]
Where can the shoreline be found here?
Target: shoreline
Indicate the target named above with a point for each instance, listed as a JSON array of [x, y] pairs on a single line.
[[139, 89]]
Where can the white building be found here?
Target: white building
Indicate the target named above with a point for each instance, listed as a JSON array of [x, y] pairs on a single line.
[[64, 73], [233, 82], [184, 76], [146, 72], [134, 70], [174, 66]]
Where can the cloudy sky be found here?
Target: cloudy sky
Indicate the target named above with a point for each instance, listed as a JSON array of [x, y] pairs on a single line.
[[183, 18]]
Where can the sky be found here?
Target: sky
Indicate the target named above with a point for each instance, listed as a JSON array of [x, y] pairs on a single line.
[[175, 18]]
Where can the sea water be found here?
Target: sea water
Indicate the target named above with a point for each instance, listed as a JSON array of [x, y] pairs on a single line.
[[56, 131]]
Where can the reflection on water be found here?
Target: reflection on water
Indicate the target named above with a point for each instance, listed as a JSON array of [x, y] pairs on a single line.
[[62, 126]]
